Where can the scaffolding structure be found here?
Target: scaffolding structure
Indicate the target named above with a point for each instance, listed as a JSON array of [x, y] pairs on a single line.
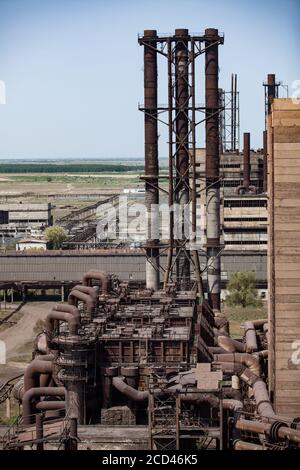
[[230, 118], [182, 116]]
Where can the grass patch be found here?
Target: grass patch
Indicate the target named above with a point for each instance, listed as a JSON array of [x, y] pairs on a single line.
[[238, 315]]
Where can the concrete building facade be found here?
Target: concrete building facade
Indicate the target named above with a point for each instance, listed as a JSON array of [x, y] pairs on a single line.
[[284, 256]]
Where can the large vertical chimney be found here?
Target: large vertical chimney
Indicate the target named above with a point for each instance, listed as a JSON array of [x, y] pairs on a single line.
[[271, 93], [265, 161], [182, 145], [212, 167], [272, 90], [151, 158], [247, 168]]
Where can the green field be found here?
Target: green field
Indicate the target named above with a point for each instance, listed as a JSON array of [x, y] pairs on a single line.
[[69, 168], [91, 180]]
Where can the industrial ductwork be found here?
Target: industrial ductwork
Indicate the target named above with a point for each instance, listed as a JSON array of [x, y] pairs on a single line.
[[38, 392], [73, 320], [33, 372], [75, 296], [246, 359], [230, 345], [98, 276]]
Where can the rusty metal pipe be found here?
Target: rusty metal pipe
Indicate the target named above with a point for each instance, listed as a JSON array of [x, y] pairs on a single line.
[[246, 359], [272, 88], [258, 324], [73, 434], [64, 307], [41, 343], [151, 158], [99, 276], [87, 290], [232, 404], [266, 331], [247, 167], [212, 167], [130, 392], [250, 337], [75, 295], [259, 427], [50, 405], [18, 390], [230, 345], [38, 392], [73, 321], [216, 350], [45, 379], [261, 396], [265, 161], [242, 445], [33, 372], [39, 430]]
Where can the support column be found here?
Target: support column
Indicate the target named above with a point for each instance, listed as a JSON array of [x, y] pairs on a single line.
[[73, 436], [182, 148], [151, 159], [39, 431], [212, 168]]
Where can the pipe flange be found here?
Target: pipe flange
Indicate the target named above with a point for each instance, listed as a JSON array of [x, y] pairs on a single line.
[[295, 423], [129, 371], [273, 435]]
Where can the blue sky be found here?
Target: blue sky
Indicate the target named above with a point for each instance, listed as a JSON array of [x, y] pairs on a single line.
[[74, 74]]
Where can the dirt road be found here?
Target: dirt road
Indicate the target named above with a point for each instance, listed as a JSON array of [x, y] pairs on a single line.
[[19, 338]]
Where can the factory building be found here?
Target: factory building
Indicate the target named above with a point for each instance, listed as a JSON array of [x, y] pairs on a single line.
[[23, 218], [243, 216]]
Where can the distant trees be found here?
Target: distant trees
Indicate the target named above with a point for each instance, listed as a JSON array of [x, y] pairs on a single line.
[[242, 290], [55, 235], [68, 168]]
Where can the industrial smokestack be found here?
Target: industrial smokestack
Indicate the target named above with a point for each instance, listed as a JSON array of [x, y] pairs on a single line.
[[246, 172], [212, 167], [151, 157], [182, 145], [272, 90], [265, 161], [233, 111]]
